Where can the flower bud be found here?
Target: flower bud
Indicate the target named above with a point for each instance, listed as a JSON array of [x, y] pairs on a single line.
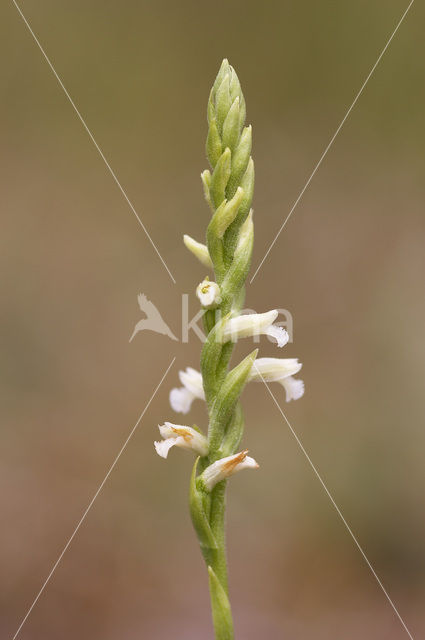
[[231, 126], [220, 178], [199, 250]]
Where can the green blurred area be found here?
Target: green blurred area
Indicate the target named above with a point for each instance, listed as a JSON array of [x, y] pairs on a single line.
[[349, 266]]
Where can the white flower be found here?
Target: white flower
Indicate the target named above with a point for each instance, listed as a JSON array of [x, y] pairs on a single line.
[[279, 370], [255, 324], [208, 293], [226, 467], [181, 398], [180, 436]]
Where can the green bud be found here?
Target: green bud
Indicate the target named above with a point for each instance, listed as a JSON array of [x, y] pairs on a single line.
[[214, 147], [198, 515], [223, 102], [199, 250], [230, 239], [231, 129], [220, 178], [215, 247], [235, 86], [206, 181], [247, 185], [211, 106], [223, 71], [242, 112], [228, 211], [236, 91], [239, 267], [240, 159], [222, 616]]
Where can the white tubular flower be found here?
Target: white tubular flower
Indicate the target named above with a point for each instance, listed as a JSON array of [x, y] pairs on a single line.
[[199, 250], [255, 324], [208, 293], [279, 370], [181, 398], [226, 467], [273, 369], [180, 436]]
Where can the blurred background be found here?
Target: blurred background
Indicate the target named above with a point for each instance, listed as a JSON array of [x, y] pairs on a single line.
[[349, 266]]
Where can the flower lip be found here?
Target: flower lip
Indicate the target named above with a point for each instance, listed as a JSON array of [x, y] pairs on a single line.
[[180, 436], [294, 388], [181, 398]]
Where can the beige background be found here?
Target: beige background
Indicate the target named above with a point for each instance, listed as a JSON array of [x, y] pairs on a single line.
[[349, 266]]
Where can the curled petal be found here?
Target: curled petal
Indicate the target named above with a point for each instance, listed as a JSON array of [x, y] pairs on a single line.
[[163, 446], [294, 388], [181, 399], [279, 334]]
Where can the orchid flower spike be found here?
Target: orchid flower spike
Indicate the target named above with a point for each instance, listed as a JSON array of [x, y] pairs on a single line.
[[255, 324], [225, 467], [279, 370], [180, 436], [181, 398], [208, 293]]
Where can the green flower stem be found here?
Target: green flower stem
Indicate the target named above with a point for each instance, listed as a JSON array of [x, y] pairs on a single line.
[[228, 190]]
